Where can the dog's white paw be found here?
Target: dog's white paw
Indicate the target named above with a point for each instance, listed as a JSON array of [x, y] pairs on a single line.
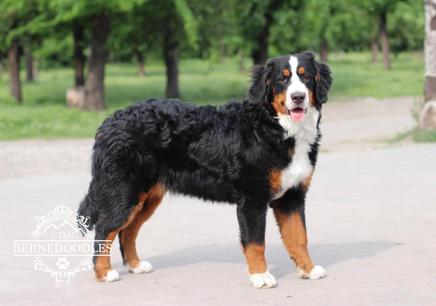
[[263, 280], [317, 272], [142, 267], [112, 276]]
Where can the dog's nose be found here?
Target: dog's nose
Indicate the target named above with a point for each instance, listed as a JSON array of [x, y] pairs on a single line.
[[298, 97]]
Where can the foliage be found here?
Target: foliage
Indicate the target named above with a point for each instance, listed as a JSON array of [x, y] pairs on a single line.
[[212, 29], [215, 39], [13, 14], [406, 25]]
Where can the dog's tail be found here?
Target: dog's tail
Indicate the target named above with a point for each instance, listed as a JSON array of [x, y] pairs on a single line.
[[87, 209]]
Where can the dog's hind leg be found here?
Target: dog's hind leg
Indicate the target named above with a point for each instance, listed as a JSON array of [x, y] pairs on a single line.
[[150, 201], [252, 220], [102, 263], [118, 208]]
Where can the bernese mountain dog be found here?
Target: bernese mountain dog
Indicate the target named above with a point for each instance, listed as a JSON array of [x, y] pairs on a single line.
[[258, 153]]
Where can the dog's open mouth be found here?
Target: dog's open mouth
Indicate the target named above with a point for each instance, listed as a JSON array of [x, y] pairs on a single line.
[[297, 114]]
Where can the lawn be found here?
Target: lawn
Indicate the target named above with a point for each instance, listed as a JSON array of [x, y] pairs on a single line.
[[44, 115], [415, 135]]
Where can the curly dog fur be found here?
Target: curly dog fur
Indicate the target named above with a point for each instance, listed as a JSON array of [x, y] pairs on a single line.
[[241, 153]]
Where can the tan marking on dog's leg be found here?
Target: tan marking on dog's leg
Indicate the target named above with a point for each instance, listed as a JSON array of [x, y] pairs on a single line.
[[294, 237], [150, 201], [258, 273], [103, 260], [255, 256]]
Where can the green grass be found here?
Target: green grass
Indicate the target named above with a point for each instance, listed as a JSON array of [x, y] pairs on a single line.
[[44, 115], [354, 76], [416, 135]]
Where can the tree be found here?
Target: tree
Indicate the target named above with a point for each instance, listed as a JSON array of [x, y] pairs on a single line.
[[374, 49], [384, 39], [12, 15], [135, 40], [30, 69], [95, 15], [428, 113], [14, 71], [94, 85], [177, 25], [405, 26], [322, 15], [78, 53], [380, 10], [256, 19], [55, 23], [333, 25], [170, 54], [216, 41]]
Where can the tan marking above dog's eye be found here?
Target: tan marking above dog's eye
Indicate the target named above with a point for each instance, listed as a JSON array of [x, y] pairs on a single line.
[[301, 71], [286, 73]]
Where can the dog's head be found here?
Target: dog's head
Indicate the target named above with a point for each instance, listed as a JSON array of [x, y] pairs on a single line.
[[290, 85]]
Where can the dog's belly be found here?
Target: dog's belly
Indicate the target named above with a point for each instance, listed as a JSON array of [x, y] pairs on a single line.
[[200, 185]]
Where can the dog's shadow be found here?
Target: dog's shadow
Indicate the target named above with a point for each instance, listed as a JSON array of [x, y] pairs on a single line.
[[279, 262]]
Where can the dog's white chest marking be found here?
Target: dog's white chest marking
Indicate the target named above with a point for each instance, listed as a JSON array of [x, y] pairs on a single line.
[[305, 134]]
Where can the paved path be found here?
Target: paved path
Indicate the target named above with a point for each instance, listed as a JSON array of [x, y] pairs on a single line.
[[371, 221]]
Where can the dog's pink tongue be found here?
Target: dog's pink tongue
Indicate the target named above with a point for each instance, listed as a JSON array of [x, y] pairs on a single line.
[[297, 114]]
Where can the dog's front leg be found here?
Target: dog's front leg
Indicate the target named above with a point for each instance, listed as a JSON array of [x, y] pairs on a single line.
[[252, 219], [289, 213]]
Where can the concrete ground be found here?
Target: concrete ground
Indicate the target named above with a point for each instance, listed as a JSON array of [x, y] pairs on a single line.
[[371, 216]]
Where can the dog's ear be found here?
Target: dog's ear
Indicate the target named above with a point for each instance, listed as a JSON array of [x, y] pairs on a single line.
[[261, 87], [323, 81]]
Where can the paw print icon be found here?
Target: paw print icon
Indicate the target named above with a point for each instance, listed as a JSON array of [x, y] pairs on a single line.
[[62, 263]]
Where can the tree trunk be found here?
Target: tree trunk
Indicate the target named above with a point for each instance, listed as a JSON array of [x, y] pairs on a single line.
[[78, 54], [141, 63], [14, 71], [171, 63], [374, 50], [94, 87], [384, 39], [324, 51], [30, 77], [427, 118], [260, 50], [241, 60]]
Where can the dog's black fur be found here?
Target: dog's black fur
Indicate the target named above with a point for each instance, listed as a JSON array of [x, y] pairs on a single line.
[[215, 153]]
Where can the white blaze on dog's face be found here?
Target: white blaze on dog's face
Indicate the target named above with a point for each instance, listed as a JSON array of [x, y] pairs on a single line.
[[298, 86], [297, 93]]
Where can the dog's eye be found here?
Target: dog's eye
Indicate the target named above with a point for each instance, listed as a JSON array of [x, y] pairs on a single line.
[[285, 78]]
